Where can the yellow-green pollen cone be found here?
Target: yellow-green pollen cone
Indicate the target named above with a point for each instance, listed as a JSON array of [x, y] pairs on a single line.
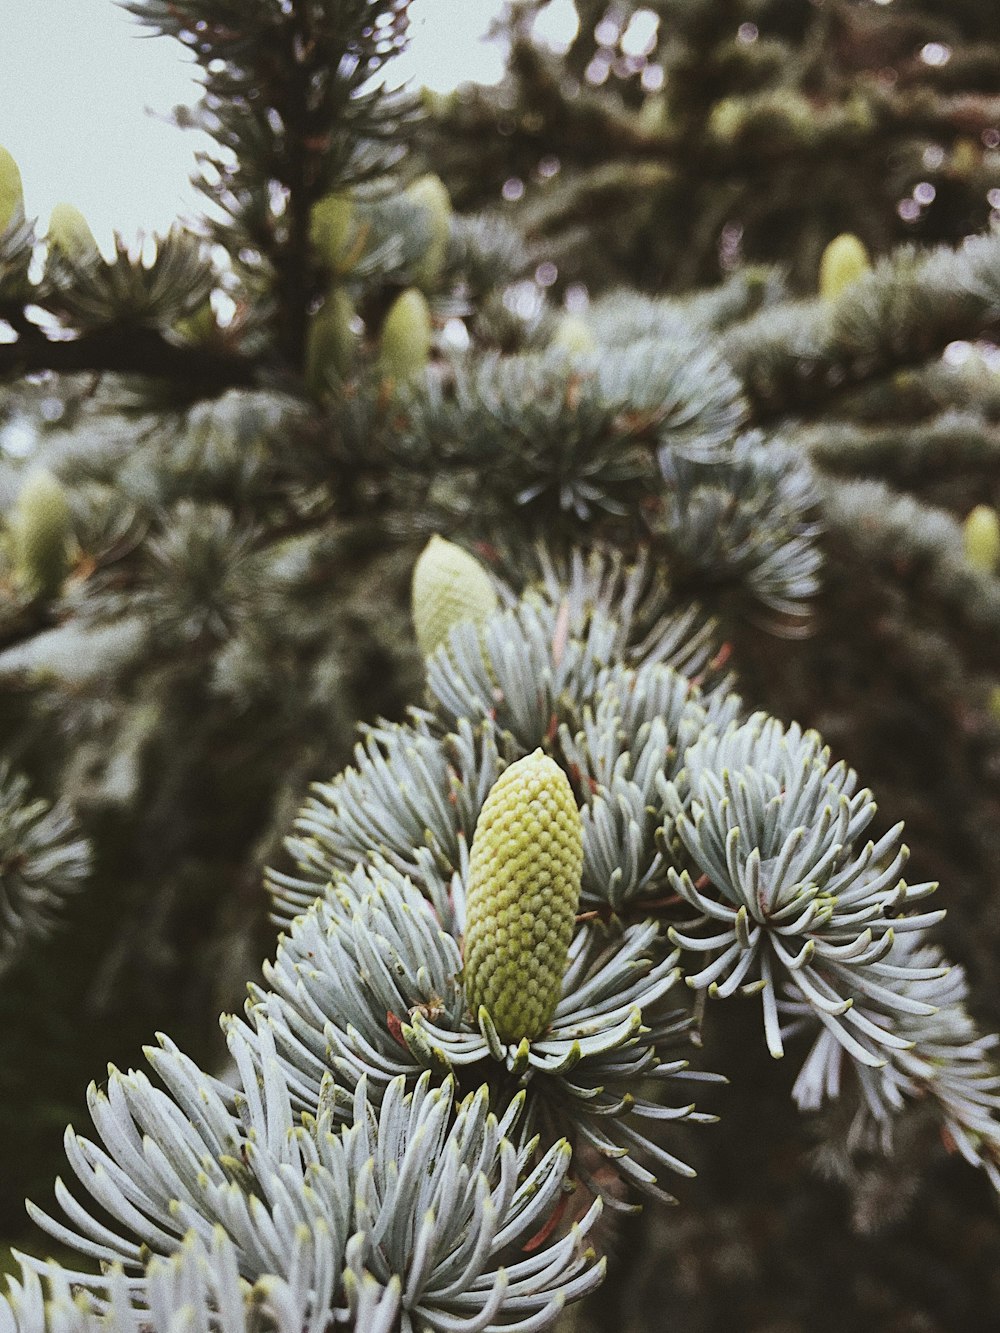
[[69, 233], [844, 260], [407, 336], [574, 335], [330, 225], [449, 585], [429, 193], [982, 539], [11, 192], [40, 534], [331, 343], [525, 867]]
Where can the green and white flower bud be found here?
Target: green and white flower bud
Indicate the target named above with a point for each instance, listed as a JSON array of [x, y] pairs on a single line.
[[11, 191], [40, 534], [449, 586], [525, 867], [843, 261], [69, 233], [405, 346], [429, 193], [331, 343], [982, 539]]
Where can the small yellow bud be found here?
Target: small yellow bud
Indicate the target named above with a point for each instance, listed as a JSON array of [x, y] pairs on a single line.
[[843, 261], [69, 233], [575, 336], [11, 190], [525, 868], [726, 119], [331, 343], [982, 539], [330, 225], [449, 586], [40, 534], [405, 346], [437, 105], [994, 703], [429, 193], [654, 116], [966, 158], [199, 326]]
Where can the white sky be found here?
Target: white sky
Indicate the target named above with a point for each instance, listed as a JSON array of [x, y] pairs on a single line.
[[79, 83]]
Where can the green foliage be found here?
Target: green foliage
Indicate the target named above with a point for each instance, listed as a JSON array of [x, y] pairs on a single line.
[[316, 1169], [664, 154], [42, 860], [251, 446]]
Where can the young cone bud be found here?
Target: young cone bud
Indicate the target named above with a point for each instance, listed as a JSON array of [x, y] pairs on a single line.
[[40, 534], [330, 343], [574, 336], [330, 225], [199, 326], [966, 158], [525, 866], [844, 260], [449, 585], [429, 193], [69, 233], [982, 539], [405, 346], [11, 192]]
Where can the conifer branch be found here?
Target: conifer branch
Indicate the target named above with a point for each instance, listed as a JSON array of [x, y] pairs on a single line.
[[797, 357], [196, 371], [924, 547]]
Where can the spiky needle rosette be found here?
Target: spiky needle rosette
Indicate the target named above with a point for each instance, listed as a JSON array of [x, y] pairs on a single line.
[[525, 867], [449, 586]]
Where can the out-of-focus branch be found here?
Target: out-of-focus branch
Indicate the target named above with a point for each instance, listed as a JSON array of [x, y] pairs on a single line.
[[130, 351]]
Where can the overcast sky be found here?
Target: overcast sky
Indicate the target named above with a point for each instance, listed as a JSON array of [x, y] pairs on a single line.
[[79, 84]]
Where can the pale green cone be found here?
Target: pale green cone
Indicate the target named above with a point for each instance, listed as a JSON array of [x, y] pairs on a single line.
[[11, 192], [575, 336], [525, 866], [405, 345], [449, 585], [331, 223], [69, 233], [40, 534], [982, 539], [331, 343], [843, 261], [429, 193]]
